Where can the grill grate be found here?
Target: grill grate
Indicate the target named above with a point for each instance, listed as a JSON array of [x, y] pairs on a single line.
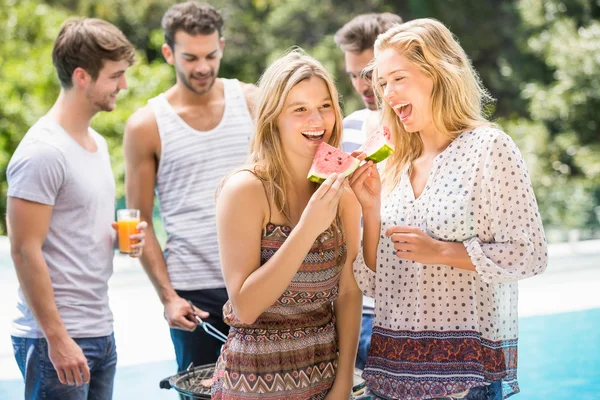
[[192, 382]]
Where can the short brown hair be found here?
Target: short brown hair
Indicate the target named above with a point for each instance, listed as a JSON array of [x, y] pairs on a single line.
[[193, 18], [361, 32], [86, 43]]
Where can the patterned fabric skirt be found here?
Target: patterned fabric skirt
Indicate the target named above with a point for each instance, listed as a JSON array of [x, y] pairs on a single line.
[[430, 365], [291, 364]]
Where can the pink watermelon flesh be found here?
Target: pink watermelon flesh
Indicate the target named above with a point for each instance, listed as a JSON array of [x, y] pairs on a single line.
[[328, 160], [379, 146]]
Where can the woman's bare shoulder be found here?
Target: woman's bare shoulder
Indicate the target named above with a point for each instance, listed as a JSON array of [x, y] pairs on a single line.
[[242, 188]]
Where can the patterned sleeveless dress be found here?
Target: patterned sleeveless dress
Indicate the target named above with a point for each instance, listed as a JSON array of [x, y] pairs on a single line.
[[290, 351]]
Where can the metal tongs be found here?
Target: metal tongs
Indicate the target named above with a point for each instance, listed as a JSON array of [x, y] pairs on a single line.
[[208, 328]]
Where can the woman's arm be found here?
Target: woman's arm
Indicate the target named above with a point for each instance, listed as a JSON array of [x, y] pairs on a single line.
[[348, 305], [412, 243], [366, 185], [242, 211], [370, 237], [519, 248]]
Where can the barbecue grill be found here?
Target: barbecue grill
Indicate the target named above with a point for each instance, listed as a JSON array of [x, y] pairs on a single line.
[[189, 383]]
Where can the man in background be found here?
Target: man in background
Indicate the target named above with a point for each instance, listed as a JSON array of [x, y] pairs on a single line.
[[181, 145], [61, 204], [356, 39]]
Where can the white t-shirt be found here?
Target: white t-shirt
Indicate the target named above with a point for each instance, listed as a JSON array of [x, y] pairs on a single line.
[[354, 135], [50, 167]]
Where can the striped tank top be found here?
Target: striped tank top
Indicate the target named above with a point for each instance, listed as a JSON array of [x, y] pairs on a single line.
[[192, 165]]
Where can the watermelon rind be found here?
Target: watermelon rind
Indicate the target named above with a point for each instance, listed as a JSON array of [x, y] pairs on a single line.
[[379, 146], [316, 177], [381, 154]]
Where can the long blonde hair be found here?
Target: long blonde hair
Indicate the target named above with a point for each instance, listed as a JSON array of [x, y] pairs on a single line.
[[457, 99], [266, 152]]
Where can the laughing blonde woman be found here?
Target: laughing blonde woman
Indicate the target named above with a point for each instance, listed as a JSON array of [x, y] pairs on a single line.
[[287, 248], [449, 228]]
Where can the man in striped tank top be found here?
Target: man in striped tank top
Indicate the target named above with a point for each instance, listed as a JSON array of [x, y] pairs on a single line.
[[356, 39], [180, 146]]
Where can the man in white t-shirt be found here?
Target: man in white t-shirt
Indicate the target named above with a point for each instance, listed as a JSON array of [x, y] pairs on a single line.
[[356, 40], [61, 204]]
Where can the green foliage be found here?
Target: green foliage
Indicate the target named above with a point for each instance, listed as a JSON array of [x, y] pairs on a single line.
[[565, 35], [539, 59], [27, 79]]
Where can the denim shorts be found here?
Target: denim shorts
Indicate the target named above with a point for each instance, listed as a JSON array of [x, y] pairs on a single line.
[[366, 328]]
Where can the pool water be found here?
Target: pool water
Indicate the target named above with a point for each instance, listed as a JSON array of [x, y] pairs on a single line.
[[559, 356]]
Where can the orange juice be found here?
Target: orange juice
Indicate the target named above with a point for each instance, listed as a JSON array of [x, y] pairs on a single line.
[[127, 227]]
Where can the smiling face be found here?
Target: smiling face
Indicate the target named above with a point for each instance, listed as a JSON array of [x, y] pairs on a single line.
[[406, 89], [196, 59], [355, 63], [102, 92], [307, 118]]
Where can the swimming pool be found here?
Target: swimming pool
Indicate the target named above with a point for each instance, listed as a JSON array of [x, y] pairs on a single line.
[[559, 356]]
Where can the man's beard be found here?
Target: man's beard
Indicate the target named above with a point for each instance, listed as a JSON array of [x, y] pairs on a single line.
[[107, 107], [105, 104], [205, 89], [370, 105]]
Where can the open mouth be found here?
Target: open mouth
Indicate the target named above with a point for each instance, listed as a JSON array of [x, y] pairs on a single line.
[[314, 136], [403, 110]]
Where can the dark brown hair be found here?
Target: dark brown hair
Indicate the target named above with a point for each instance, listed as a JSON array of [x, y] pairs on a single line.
[[361, 32], [86, 43], [193, 18]]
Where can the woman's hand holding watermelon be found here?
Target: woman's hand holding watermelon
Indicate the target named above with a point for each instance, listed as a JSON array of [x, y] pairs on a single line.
[[366, 183], [323, 204]]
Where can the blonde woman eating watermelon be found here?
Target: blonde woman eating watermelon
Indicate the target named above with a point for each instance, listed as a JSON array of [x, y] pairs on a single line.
[[449, 228], [287, 247]]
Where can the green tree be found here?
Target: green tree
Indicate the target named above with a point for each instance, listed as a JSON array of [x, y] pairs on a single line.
[[538, 59], [27, 79], [565, 36]]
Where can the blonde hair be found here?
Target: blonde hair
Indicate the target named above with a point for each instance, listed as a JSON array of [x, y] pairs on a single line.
[[266, 152], [457, 98]]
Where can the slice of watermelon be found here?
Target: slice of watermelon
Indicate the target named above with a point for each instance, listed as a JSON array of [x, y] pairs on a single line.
[[328, 160], [379, 146]]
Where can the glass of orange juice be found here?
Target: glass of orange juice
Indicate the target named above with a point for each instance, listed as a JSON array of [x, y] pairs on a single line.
[[127, 222]]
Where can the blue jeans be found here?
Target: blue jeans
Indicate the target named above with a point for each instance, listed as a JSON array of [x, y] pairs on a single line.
[[493, 391], [364, 342], [41, 379], [198, 347]]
